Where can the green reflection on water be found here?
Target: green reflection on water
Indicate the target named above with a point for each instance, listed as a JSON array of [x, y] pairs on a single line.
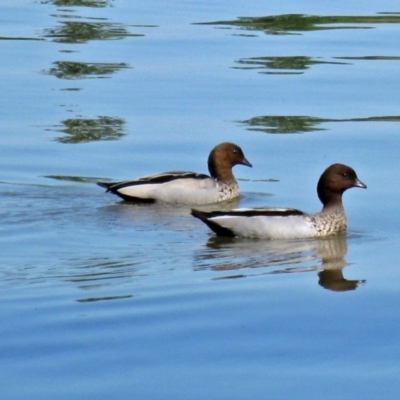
[[84, 3], [81, 32], [82, 130], [80, 70], [287, 23], [282, 63], [284, 124], [301, 124]]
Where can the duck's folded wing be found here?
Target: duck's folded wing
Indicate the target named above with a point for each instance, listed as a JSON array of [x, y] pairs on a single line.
[[269, 211], [169, 176], [249, 212], [160, 178]]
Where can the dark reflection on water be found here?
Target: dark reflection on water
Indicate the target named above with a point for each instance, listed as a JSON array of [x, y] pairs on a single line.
[[103, 277], [294, 64], [82, 32], [18, 38], [89, 273], [370, 58], [289, 23], [301, 124], [323, 255], [82, 130], [92, 299], [81, 70], [84, 3], [69, 178], [334, 280]]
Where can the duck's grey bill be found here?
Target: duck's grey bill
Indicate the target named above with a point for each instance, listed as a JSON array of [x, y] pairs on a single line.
[[360, 184], [246, 162]]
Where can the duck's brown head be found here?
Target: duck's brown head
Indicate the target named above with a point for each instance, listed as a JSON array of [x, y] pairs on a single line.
[[334, 181], [222, 158]]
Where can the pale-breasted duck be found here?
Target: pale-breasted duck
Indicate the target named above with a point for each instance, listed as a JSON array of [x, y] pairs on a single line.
[[288, 223], [184, 187]]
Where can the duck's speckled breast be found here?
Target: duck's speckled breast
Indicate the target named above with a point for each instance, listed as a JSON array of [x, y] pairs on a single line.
[[329, 222], [228, 191]]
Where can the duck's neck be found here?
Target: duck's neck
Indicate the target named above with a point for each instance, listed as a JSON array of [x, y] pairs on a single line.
[[333, 209], [333, 205], [330, 199], [221, 173]]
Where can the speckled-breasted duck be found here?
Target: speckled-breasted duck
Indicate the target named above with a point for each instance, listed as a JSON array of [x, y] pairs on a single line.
[[184, 187], [288, 223]]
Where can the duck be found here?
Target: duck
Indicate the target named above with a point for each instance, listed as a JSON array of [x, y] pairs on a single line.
[[290, 223], [185, 187]]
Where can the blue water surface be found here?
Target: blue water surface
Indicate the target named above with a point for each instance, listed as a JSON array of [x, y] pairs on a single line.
[[102, 299]]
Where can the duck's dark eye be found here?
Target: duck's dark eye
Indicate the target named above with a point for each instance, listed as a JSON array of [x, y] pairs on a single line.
[[345, 175], [235, 151]]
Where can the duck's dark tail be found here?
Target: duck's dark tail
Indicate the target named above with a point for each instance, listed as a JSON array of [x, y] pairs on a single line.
[[105, 185], [113, 187], [205, 217]]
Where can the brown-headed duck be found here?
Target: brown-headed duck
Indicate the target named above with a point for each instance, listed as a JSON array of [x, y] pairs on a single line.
[[288, 223], [184, 187]]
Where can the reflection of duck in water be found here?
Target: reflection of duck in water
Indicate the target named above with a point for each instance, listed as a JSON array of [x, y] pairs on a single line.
[[331, 277], [332, 252], [290, 256]]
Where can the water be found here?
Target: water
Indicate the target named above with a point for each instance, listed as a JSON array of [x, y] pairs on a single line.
[[101, 299]]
